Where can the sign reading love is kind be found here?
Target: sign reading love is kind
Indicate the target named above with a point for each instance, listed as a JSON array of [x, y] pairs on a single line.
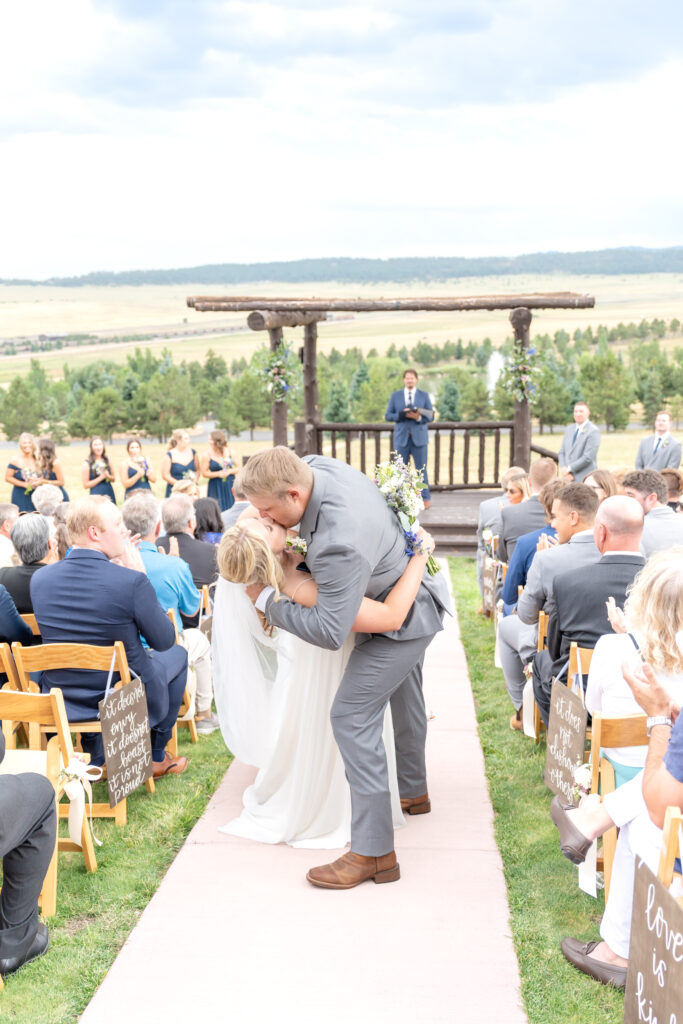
[[125, 735], [654, 983], [566, 740]]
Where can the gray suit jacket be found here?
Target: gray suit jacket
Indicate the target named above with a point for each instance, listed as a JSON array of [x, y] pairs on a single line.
[[668, 454], [538, 593], [356, 548], [581, 456], [662, 529], [516, 520]]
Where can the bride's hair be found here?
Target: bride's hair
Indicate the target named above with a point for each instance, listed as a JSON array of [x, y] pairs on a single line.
[[244, 557]]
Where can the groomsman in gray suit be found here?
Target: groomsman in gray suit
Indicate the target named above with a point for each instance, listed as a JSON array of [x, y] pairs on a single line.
[[660, 451], [355, 548], [578, 453]]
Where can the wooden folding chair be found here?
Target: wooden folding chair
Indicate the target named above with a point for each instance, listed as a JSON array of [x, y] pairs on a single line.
[[47, 657], [186, 709], [606, 732], [32, 622], [673, 822], [539, 725], [47, 713]]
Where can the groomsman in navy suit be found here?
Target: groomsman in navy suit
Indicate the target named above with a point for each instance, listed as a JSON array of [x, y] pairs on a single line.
[[411, 410]]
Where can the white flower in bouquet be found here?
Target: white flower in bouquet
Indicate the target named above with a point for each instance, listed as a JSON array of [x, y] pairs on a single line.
[[400, 486]]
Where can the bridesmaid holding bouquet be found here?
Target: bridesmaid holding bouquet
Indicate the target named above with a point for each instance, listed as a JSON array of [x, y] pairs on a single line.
[[219, 466], [24, 473]]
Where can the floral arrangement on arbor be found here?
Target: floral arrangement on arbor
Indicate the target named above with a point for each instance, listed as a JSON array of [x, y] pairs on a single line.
[[520, 371], [278, 372]]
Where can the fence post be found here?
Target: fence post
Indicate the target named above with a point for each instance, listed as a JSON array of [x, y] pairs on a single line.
[[520, 319]]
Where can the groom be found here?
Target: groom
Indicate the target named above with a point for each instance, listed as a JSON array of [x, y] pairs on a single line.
[[356, 548]]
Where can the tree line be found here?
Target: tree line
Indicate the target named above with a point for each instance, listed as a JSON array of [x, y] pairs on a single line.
[[152, 395]]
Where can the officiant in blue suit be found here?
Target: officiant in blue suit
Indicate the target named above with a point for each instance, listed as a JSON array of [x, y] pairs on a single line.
[[411, 410]]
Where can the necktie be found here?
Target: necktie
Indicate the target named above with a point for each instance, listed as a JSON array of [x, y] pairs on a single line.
[[576, 434], [657, 443], [410, 398]]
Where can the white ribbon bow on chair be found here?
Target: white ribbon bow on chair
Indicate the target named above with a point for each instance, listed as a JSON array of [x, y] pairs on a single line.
[[78, 778]]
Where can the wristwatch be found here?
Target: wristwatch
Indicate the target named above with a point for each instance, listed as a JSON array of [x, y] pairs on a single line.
[[657, 720]]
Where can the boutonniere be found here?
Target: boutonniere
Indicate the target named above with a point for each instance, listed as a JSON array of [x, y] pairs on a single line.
[[665, 444], [297, 544]]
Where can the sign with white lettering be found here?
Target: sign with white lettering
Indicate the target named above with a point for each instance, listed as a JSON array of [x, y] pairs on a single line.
[[654, 983], [125, 735], [489, 579], [566, 740]]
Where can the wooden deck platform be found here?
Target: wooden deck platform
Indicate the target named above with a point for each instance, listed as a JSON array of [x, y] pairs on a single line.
[[452, 520]]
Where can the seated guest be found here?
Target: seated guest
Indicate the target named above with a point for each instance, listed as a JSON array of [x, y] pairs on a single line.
[[640, 835], [674, 485], [209, 526], [8, 517], [660, 450], [603, 483], [579, 613], [179, 521], [12, 626], [526, 547], [173, 585], [230, 516], [31, 539], [98, 595], [489, 514], [527, 515], [573, 514], [28, 829], [46, 500], [662, 528]]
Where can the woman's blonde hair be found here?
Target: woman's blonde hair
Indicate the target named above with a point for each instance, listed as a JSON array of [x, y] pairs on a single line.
[[654, 608], [521, 482], [245, 557], [31, 438], [178, 435]]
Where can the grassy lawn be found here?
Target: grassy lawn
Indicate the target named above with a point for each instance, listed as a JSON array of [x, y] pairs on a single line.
[[545, 901], [96, 912]]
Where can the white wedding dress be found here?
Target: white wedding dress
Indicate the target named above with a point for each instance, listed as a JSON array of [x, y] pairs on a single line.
[[273, 696]]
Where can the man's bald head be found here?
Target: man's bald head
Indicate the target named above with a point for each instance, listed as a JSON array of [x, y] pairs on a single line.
[[618, 524]]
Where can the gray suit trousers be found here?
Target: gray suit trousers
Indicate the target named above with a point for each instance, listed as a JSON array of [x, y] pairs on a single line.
[[516, 646], [28, 824], [381, 669]]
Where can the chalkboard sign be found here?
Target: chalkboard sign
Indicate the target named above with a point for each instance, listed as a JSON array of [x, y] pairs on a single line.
[[125, 735], [654, 982], [489, 580], [566, 740]]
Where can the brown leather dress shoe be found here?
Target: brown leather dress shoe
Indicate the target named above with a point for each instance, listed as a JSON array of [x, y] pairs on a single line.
[[169, 766], [573, 843], [352, 869], [516, 721], [578, 954], [416, 804]]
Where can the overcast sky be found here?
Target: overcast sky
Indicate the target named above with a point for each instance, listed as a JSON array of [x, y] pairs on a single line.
[[168, 133]]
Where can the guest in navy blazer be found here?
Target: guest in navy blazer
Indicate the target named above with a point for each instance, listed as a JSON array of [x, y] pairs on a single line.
[[411, 410], [88, 598]]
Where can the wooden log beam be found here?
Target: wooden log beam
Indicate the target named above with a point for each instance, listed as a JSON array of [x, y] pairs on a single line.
[[311, 410], [536, 300], [268, 319], [279, 408], [521, 322]]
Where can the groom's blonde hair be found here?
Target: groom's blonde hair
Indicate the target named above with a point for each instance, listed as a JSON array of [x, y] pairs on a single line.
[[274, 471], [244, 557]]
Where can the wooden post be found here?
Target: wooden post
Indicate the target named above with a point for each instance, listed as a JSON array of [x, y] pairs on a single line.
[[311, 410], [279, 408], [520, 319]]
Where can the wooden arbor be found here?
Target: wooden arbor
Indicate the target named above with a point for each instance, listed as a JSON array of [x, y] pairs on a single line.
[[273, 313]]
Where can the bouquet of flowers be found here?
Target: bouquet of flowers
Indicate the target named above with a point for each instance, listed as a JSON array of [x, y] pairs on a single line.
[[297, 544], [190, 474], [278, 371], [30, 476], [401, 485], [141, 463], [100, 467], [521, 371]]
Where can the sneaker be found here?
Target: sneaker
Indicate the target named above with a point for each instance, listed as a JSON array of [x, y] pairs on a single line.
[[205, 726]]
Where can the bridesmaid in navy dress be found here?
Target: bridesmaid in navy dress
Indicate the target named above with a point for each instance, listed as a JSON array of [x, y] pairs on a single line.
[[180, 462], [97, 474], [24, 473], [50, 465], [134, 472], [219, 467]]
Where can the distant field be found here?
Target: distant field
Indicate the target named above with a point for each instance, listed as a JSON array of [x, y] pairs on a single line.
[[33, 310], [618, 449]]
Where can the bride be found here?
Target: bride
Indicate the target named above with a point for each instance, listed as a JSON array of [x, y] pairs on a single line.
[[274, 691]]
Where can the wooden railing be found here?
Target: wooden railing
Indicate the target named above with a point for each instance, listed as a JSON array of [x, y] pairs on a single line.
[[466, 455]]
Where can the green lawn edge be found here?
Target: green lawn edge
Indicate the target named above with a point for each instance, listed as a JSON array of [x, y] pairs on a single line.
[[96, 912], [545, 901]]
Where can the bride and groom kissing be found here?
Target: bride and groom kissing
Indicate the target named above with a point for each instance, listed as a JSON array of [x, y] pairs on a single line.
[[355, 548]]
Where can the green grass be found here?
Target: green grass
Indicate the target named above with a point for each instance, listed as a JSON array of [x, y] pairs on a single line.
[[545, 901], [96, 912]]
